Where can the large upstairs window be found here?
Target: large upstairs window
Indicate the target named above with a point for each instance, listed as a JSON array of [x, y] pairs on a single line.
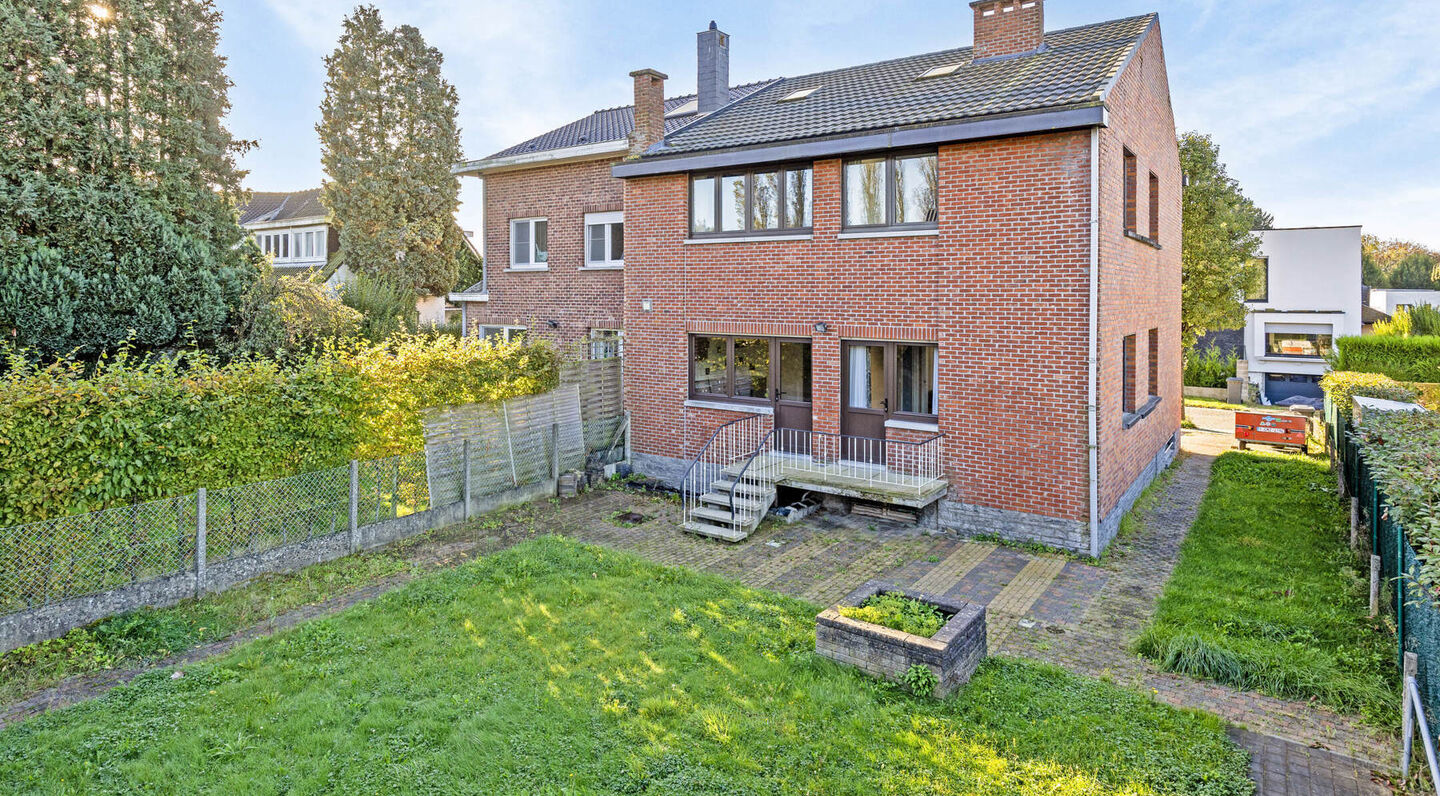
[[763, 202], [895, 191]]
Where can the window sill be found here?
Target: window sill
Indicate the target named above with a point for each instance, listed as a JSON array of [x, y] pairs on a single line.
[[887, 233], [602, 267], [1143, 239], [525, 269], [729, 406], [1131, 418], [746, 239], [911, 425], [1289, 358]]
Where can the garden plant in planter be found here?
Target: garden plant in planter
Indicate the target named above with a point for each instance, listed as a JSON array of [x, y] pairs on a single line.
[[926, 642]]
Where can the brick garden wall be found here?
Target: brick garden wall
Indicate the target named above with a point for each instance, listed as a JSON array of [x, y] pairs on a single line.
[[577, 299]]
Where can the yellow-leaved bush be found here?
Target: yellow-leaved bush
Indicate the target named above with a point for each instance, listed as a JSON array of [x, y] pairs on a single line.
[[134, 430]]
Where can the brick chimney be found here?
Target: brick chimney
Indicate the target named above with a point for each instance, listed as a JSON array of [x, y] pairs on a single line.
[[1008, 27], [712, 69], [649, 110]]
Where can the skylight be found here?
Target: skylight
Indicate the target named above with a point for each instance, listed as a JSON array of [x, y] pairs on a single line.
[[940, 71], [799, 94]]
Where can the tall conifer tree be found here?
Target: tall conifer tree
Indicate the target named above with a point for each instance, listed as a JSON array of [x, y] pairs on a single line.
[[389, 139]]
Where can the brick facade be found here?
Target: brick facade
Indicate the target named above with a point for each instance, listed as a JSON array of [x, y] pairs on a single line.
[[1002, 287], [576, 298], [1139, 283]]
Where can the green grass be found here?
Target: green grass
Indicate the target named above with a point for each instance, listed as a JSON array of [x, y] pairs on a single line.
[[898, 612], [138, 637], [1267, 596], [559, 668], [1210, 403]]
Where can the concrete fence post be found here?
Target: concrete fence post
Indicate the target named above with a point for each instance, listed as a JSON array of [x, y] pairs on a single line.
[[354, 505], [554, 451], [465, 478], [199, 541], [1355, 524], [1374, 586]]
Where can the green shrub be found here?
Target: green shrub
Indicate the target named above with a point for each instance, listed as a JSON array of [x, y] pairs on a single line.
[[1344, 386], [385, 309], [1209, 368], [134, 429], [1403, 358], [898, 612], [1422, 320]]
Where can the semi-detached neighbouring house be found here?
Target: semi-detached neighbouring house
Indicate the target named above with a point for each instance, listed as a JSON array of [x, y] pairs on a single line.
[[554, 239], [949, 282], [294, 228]]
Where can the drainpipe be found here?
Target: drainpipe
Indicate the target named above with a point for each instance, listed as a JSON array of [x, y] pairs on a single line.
[[1092, 408]]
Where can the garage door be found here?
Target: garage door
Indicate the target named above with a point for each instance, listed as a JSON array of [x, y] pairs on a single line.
[[1279, 386]]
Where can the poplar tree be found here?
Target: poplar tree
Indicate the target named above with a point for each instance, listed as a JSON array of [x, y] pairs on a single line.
[[389, 138], [1218, 245], [118, 182]]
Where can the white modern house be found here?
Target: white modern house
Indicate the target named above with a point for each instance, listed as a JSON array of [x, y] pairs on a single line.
[[1391, 300], [1310, 297]]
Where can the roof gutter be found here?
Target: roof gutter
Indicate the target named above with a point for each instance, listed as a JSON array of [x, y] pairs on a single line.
[[545, 157], [1041, 122]]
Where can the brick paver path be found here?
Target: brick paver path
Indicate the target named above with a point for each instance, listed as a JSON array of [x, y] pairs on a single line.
[[1044, 606]]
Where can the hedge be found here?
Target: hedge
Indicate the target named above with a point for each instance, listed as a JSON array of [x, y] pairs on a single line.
[[1400, 449], [140, 429], [1402, 358], [1343, 387]]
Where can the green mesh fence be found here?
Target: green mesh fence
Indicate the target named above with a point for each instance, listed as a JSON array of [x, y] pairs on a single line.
[[1416, 606], [252, 518]]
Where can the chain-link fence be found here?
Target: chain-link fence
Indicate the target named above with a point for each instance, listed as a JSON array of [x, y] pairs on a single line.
[[1415, 605], [82, 554], [51, 560], [129, 556]]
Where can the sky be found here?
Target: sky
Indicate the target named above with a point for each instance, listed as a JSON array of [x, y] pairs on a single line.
[[1326, 111]]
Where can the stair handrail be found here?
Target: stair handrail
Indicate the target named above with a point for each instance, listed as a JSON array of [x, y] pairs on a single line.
[[686, 486], [740, 477], [1413, 719]]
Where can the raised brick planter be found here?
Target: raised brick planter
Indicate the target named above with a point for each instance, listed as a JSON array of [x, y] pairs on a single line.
[[952, 654]]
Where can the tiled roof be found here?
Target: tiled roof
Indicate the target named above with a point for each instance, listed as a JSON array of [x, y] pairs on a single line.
[[614, 124], [1072, 69], [280, 206]]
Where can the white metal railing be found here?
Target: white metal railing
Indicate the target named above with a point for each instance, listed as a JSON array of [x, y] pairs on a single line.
[[1414, 716], [732, 445], [896, 465]]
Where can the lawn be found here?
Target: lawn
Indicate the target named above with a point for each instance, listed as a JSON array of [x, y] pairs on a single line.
[[555, 667], [1210, 403], [1267, 596]]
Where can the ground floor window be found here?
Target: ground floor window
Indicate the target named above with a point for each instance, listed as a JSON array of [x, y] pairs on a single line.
[[898, 379], [605, 343], [503, 334], [749, 368]]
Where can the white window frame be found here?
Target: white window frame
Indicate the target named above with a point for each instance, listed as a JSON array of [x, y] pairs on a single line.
[[596, 339], [531, 265], [605, 219], [507, 332]]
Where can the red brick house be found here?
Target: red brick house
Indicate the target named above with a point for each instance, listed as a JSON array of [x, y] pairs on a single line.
[[554, 240], [949, 282]]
